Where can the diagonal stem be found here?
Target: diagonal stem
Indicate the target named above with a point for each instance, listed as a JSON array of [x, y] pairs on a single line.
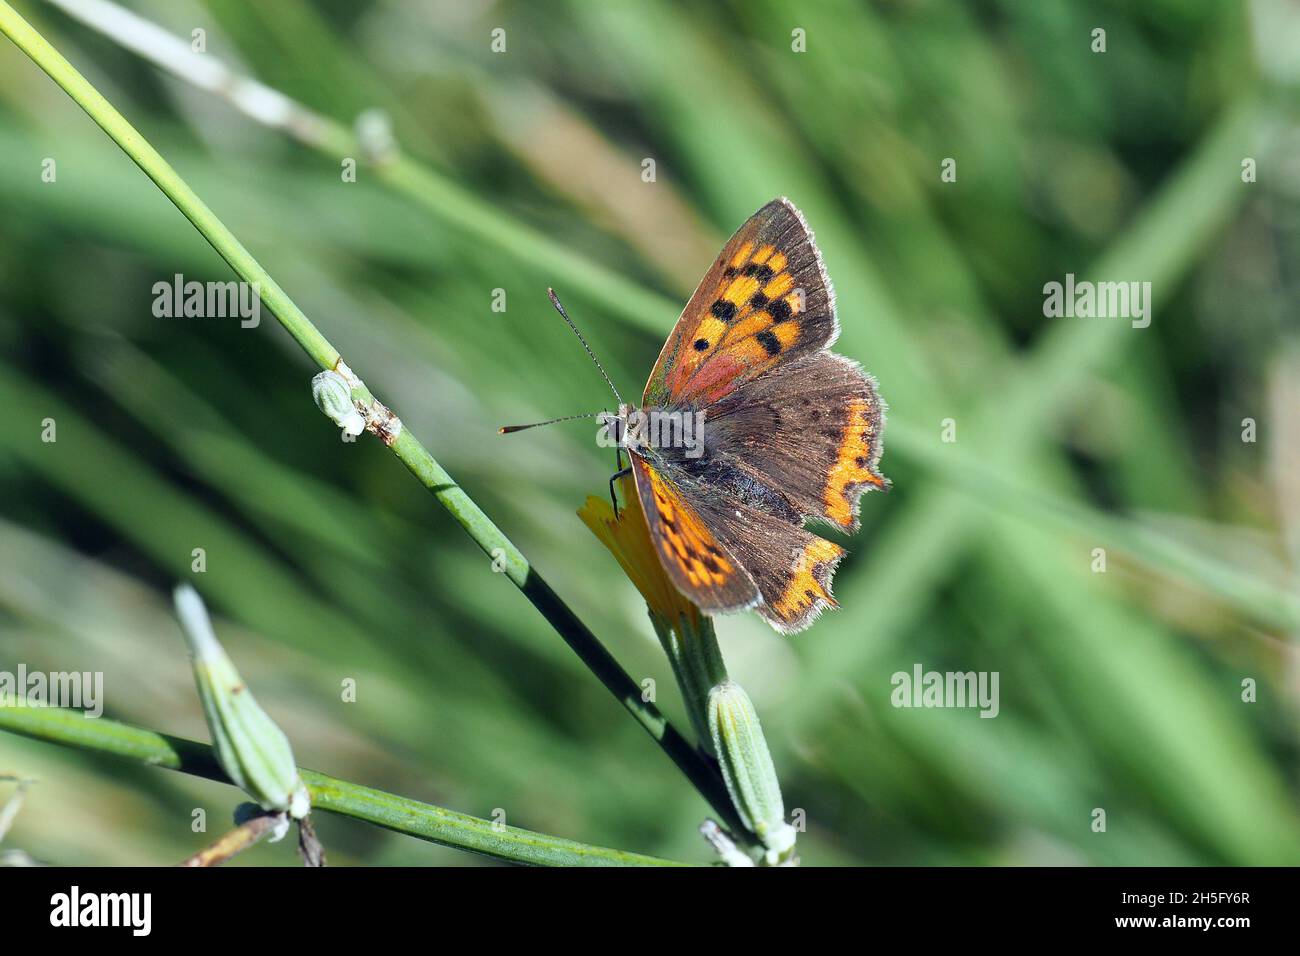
[[406, 446], [423, 820]]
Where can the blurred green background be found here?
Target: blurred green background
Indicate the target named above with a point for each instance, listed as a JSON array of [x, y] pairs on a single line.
[[1119, 690]]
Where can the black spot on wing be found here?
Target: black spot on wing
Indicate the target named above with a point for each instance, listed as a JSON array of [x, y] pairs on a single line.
[[771, 344]]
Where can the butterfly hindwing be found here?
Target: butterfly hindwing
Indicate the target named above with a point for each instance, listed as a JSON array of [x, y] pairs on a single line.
[[791, 567], [809, 431], [700, 566], [766, 300]]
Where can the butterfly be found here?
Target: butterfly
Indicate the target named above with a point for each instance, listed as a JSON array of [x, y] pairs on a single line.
[[749, 427]]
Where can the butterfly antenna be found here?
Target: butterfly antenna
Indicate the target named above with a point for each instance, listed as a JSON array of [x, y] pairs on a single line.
[[555, 301], [509, 429]]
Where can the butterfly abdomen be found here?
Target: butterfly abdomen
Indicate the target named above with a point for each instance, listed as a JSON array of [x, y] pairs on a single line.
[[729, 480]]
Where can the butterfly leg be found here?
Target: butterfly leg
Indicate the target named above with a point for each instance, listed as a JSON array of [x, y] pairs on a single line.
[[621, 473]]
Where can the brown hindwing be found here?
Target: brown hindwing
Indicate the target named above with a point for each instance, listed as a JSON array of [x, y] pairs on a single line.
[[792, 567], [810, 431]]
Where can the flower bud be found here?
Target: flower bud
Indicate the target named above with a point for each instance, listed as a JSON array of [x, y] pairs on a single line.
[[333, 396], [748, 770], [251, 749]]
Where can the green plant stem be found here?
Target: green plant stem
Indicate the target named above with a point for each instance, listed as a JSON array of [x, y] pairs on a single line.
[[576, 634], [423, 820], [697, 664], [407, 447]]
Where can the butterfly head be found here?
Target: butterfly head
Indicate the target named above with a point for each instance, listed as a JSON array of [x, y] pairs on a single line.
[[620, 427]]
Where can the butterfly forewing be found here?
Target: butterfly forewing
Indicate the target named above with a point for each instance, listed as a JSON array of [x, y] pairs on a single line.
[[699, 565], [766, 300]]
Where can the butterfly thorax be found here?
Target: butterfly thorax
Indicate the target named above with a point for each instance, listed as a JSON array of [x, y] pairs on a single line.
[[659, 432], [676, 441]]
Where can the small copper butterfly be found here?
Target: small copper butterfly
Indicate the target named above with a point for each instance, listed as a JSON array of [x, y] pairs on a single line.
[[785, 430]]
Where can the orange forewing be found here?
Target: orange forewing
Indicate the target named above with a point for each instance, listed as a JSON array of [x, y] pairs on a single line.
[[700, 566], [766, 300]]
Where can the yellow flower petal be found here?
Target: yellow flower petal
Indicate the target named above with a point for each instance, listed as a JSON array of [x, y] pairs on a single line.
[[628, 538]]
